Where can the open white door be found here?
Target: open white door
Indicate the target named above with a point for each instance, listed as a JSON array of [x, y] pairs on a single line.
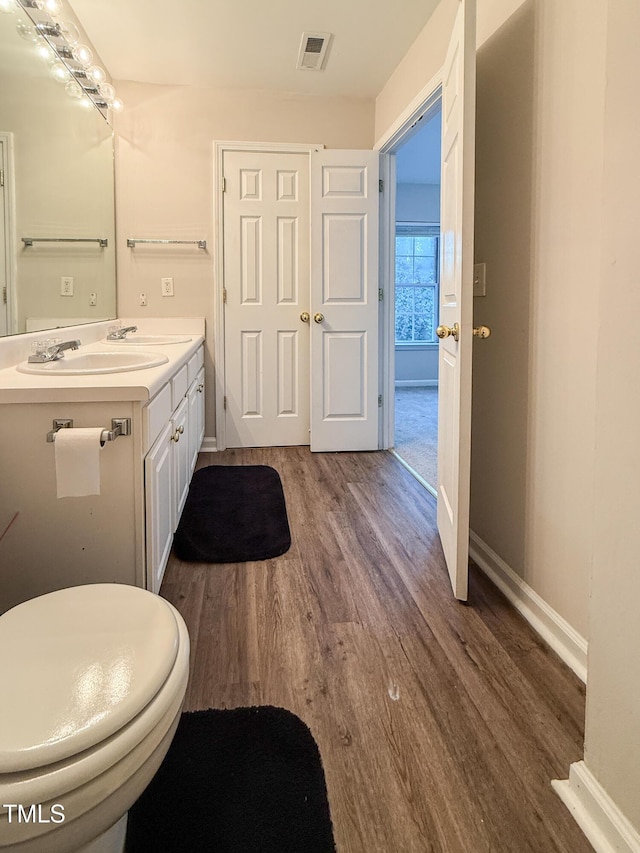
[[344, 300], [456, 296]]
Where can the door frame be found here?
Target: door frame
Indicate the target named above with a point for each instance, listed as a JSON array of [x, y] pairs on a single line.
[[11, 273], [389, 142], [219, 149]]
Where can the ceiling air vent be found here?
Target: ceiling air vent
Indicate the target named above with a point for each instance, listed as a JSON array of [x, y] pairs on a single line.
[[313, 50]]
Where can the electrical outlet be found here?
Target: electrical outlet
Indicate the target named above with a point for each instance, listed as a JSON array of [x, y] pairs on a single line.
[[66, 285], [143, 299], [166, 286], [93, 299]]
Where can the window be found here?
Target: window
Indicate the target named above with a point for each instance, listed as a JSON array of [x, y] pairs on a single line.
[[417, 277]]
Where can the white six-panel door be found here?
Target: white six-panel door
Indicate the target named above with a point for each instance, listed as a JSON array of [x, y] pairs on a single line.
[[266, 278], [456, 297], [344, 300]]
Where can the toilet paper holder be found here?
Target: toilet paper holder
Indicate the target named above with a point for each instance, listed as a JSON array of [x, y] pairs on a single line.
[[119, 426]]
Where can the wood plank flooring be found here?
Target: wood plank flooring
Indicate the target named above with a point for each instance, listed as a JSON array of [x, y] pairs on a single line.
[[440, 725]]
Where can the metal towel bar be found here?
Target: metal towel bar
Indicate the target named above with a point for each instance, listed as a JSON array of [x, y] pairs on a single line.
[[131, 242], [29, 241], [119, 426]]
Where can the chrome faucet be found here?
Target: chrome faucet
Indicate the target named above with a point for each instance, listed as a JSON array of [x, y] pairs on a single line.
[[54, 352], [120, 334]]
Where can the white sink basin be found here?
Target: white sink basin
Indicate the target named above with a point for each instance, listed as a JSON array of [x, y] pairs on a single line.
[[95, 362], [150, 340]]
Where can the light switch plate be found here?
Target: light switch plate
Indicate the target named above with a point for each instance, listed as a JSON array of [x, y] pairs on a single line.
[[480, 279]]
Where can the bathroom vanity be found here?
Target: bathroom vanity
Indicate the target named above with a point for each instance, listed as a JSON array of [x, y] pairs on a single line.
[[124, 534]]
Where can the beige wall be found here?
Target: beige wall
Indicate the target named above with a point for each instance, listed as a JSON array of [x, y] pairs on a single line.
[[555, 389], [165, 182], [612, 749], [539, 155], [539, 171]]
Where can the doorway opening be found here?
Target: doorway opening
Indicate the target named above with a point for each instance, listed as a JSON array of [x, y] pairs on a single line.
[[416, 271]]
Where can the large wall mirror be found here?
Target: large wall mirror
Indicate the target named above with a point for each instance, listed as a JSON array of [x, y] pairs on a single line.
[[57, 189]]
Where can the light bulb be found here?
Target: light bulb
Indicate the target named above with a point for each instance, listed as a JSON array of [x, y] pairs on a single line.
[[60, 72], [27, 31], [107, 91], [69, 32], [82, 55], [45, 52], [53, 7], [116, 105], [8, 6], [73, 89], [86, 102], [97, 74]]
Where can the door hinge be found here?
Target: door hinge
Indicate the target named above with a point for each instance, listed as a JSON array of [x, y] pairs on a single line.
[[1, 177], [4, 295], [224, 402], [224, 185], [380, 294], [379, 401], [380, 186], [224, 295]]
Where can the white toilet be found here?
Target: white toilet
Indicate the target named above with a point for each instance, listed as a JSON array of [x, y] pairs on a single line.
[[92, 681]]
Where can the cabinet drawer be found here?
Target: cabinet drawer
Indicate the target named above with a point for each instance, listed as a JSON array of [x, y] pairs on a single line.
[[179, 385], [195, 363], [156, 415]]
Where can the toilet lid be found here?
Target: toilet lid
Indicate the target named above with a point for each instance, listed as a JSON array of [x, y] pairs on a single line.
[[76, 666]]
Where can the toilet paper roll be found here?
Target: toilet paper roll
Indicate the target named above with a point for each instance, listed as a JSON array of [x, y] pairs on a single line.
[[77, 454]]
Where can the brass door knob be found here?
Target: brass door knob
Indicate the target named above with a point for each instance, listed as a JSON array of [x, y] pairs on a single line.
[[482, 332], [318, 317], [445, 331], [305, 316]]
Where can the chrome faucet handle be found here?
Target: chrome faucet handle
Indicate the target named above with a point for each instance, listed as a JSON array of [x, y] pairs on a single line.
[[119, 334], [53, 353]]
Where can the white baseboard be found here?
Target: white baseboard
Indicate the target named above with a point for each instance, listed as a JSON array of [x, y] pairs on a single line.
[[555, 630], [594, 811], [209, 445], [416, 383]]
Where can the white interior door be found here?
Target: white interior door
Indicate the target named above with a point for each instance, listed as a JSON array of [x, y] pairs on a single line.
[[344, 300], [266, 279], [456, 296]]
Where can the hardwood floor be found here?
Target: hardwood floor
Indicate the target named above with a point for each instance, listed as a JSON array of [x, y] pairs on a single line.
[[440, 725]]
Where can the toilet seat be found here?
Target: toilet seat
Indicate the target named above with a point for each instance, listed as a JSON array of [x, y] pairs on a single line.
[[85, 661], [156, 624]]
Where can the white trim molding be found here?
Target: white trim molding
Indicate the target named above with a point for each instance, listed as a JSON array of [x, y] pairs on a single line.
[[556, 631], [595, 812], [209, 444], [416, 383]]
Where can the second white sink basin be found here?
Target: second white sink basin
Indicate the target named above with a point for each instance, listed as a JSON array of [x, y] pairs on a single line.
[[95, 362], [150, 340]]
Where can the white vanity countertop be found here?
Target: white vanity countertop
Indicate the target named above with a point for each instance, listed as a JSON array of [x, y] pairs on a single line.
[[140, 385]]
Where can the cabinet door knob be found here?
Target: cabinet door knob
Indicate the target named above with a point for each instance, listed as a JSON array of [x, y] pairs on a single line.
[[319, 317], [176, 436]]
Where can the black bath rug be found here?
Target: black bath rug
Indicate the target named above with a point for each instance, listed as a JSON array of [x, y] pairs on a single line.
[[249, 780], [233, 514]]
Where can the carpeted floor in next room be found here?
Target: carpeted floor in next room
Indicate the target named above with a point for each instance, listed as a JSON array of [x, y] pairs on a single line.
[[416, 430]]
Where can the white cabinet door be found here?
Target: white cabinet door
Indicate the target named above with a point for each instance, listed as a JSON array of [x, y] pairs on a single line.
[[181, 460], [196, 419], [159, 499]]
